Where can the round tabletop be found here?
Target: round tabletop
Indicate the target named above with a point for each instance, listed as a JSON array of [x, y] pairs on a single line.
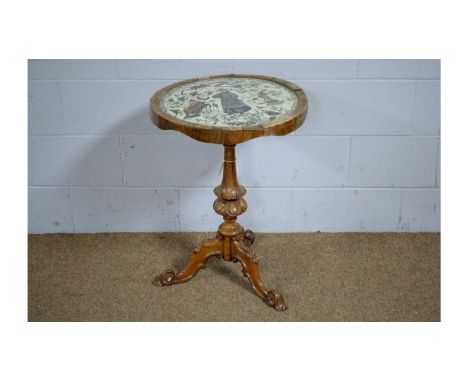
[[229, 109]]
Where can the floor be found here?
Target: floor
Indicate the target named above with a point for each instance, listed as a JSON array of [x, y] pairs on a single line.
[[322, 277]]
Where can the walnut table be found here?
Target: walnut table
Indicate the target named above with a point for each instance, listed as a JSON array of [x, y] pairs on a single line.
[[228, 110]]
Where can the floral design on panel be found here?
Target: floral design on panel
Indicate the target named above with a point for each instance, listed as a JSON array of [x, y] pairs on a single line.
[[230, 102]]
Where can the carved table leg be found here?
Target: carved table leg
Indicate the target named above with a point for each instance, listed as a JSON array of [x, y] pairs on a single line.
[[198, 261], [249, 260]]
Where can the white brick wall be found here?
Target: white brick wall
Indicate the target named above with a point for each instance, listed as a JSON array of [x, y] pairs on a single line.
[[367, 158]]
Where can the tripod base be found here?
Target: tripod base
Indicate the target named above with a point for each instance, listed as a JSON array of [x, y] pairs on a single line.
[[230, 248], [232, 243]]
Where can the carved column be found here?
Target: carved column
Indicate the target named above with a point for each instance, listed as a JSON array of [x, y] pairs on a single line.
[[230, 202]]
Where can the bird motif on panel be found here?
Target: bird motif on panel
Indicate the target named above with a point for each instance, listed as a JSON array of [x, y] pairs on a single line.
[[194, 108], [232, 103]]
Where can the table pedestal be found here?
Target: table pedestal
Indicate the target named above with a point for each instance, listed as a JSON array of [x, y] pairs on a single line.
[[232, 243]]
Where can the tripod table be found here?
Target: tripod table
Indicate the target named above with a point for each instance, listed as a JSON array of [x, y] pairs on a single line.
[[227, 110]]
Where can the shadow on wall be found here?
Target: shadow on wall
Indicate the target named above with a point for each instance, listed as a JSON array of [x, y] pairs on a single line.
[[272, 168], [136, 177], [124, 182]]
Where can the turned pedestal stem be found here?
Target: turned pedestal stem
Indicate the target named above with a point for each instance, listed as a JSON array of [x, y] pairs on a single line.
[[230, 202]]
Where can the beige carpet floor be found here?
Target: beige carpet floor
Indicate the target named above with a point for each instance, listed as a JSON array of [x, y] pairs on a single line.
[[322, 276]]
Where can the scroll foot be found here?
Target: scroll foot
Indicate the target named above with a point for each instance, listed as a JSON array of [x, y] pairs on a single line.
[[249, 262], [275, 300], [165, 279], [198, 261]]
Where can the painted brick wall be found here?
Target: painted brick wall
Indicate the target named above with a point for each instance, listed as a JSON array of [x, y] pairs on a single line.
[[367, 158]]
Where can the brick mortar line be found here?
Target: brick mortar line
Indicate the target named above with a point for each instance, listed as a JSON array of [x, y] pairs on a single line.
[[437, 170], [116, 70], [61, 109], [399, 212], [413, 107], [122, 162], [247, 187], [348, 163], [173, 135], [72, 212], [358, 66], [179, 222], [355, 79]]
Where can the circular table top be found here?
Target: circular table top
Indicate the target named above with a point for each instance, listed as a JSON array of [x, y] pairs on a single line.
[[229, 109]]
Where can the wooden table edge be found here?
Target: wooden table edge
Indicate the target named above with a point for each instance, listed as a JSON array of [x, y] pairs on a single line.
[[229, 136]]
